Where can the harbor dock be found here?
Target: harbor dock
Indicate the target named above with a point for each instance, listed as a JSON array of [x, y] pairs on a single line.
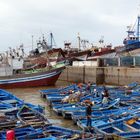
[[100, 75]]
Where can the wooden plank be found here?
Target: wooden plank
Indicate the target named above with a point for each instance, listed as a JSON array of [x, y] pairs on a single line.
[[8, 110], [9, 101], [36, 123], [132, 128], [29, 117], [33, 120], [117, 129], [27, 113]]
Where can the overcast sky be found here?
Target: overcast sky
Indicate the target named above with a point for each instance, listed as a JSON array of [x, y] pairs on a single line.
[[20, 19]]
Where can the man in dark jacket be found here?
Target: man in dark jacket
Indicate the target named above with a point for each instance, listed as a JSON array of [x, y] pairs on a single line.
[[88, 87], [88, 114]]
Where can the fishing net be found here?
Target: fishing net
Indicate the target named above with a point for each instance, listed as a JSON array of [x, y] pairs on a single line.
[[131, 121]]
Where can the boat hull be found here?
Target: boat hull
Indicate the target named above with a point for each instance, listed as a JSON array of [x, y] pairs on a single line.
[[31, 80]]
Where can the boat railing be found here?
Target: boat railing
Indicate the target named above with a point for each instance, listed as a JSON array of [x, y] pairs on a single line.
[[31, 71]]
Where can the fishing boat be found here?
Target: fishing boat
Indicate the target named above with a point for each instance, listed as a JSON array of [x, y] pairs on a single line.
[[127, 128], [61, 98], [114, 116], [76, 53], [36, 120], [102, 52], [59, 108], [40, 53], [131, 42], [68, 111], [79, 55], [66, 133], [10, 104], [32, 117], [82, 114], [41, 59], [7, 108], [7, 122], [57, 91], [95, 122], [32, 78], [15, 73], [50, 133], [23, 133]]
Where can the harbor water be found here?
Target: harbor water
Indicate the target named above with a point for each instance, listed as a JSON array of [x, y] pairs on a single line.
[[32, 95]]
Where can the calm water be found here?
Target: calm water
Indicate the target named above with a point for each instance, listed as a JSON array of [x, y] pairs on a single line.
[[32, 95]]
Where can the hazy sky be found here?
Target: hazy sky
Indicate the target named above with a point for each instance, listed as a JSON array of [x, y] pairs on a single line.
[[20, 19]]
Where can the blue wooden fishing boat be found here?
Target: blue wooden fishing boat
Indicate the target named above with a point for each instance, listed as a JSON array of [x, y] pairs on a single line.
[[58, 106], [5, 97], [91, 97], [103, 119], [58, 109], [47, 138], [127, 128], [14, 102], [50, 132], [95, 122], [54, 99], [18, 132], [65, 133], [137, 88], [29, 116], [132, 85], [51, 98], [124, 89], [68, 111], [7, 108], [47, 91], [81, 114], [38, 108], [28, 133], [128, 98], [8, 122], [61, 91], [36, 134]]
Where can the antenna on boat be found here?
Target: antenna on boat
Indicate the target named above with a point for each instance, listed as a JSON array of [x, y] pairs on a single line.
[[79, 41], [32, 42], [101, 40], [52, 41], [84, 42]]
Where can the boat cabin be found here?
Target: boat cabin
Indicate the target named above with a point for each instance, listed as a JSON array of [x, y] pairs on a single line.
[[131, 38]]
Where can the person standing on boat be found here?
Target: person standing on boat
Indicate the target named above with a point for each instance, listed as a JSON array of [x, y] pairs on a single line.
[[105, 96], [96, 93], [88, 87], [88, 114]]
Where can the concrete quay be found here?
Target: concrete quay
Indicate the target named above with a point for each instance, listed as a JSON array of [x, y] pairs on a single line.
[[100, 75]]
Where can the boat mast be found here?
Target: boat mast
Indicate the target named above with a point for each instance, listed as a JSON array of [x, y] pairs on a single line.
[[138, 25], [51, 40]]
